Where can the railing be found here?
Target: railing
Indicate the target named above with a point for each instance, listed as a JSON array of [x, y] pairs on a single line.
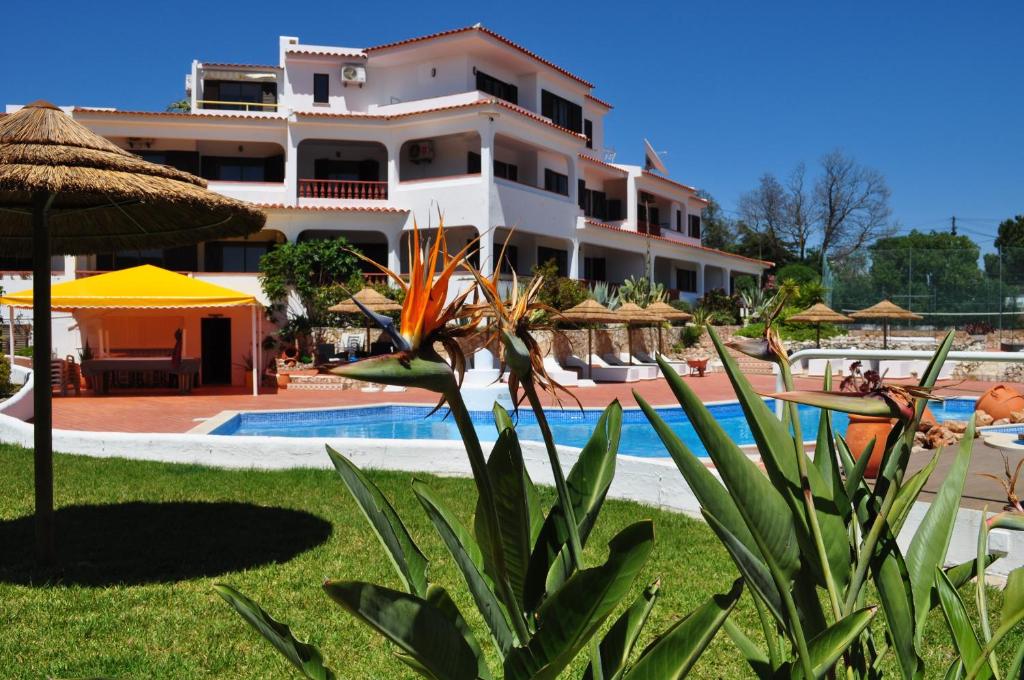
[[332, 188], [645, 227], [236, 106]]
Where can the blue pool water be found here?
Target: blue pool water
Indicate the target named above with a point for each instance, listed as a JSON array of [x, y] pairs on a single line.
[[570, 427]]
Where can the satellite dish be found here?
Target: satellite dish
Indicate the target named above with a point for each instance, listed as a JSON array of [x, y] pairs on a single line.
[[651, 159]]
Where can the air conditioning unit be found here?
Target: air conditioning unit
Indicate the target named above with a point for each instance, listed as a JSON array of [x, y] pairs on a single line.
[[421, 151], [353, 73]]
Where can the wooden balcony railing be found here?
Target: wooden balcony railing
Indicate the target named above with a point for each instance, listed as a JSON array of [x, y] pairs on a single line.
[[346, 189]]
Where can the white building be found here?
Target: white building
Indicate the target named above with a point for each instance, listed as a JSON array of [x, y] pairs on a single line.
[[358, 141]]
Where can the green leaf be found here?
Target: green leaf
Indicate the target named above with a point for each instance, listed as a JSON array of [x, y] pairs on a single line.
[[503, 421], [908, 493], [570, 616], [959, 575], [618, 642], [755, 657], [424, 369], [1007, 520], [1010, 617], [469, 559], [420, 629], [965, 639], [442, 601], [845, 402], [980, 590], [929, 544], [509, 484], [409, 562], [588, 482], [674, 653], [826, 648], [751, 567], [303, 656]]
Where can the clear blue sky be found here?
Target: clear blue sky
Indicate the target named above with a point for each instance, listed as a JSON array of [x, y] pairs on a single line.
[[928, 93]]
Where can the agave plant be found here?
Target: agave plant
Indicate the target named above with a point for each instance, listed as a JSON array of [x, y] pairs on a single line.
[[640, 291], [522, 567], [809, 540], [604, 295]]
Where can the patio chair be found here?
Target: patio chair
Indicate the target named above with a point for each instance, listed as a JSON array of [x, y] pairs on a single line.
[[562, 376], [646, 371], [599, 370]]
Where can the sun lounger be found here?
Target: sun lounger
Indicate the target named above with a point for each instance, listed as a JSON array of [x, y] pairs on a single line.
[[646, 371], [600, 371], [679, 367], [563, 377]]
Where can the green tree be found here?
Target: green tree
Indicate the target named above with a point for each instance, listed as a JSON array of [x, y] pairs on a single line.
[[180, 106], [1010, 246], [314, 270], [717, 230]]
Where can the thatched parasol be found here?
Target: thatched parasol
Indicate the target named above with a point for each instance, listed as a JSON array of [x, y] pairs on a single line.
[[819, 314], [667, 313], [370, 299], [634, 315], [589, 312], [886, 311], [65, 190]]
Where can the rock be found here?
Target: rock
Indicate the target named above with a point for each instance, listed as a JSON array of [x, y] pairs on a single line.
[[1017, 416], [981, 419], [956, 426], [939, 436], [1001, 421], [921, 439]]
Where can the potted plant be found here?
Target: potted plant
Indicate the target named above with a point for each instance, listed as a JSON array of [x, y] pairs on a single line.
[[246, 365], [85, 354]]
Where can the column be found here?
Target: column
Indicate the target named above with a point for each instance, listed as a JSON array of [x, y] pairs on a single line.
[[291, 168], [700, 279], [727, 282], [486, 132], [70, 265], [395, 252], [393, 150], [574, 258]]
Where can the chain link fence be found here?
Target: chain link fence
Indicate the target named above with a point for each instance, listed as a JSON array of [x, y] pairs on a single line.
[[948, 288]]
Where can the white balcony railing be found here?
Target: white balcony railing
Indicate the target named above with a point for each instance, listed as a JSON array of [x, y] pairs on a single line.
[[343, 189]]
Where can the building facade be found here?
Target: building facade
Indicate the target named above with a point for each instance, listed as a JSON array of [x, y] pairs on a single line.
[[360, 142]]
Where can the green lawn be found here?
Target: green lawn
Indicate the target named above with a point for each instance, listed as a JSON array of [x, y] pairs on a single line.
[[137, 602]]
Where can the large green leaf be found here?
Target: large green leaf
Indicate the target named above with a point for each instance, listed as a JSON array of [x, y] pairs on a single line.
[[618, 642], [421, 630], [588, 482], [1007, 520], [503, 421], [754, 655], [750, 566], [673, 654], [510, 486], [826, 648], [908, 493], [439, 598], [469, 559], [1010, 617], [965, 639], [570, 616], [959, 575], [928, 547], [409, 562], [303, 656]]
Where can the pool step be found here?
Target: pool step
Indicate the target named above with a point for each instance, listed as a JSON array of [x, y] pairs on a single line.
[[321, 382]]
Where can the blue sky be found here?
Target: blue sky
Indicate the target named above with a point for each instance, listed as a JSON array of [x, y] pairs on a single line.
[[928, 93]]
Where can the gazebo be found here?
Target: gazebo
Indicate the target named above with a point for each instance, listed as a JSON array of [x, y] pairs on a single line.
[[370, 299], [819, 314], [668, 313], [886, 311], [589, 312], [66, 190], [144, 289]]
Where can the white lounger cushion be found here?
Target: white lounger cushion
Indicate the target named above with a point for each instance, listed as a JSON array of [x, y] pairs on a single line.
[[602, 372], [560, 375], [645, 371]]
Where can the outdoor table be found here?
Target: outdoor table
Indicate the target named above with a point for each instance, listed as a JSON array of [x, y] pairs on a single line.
[[101, 370], [1006, 442]]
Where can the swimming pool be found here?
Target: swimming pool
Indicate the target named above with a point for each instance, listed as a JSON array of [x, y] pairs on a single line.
[[571, 427]]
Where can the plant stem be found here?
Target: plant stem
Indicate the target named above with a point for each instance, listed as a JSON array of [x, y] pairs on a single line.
[[868, 549], [478, 464]]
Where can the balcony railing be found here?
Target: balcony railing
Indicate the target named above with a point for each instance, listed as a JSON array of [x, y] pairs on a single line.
[[236, 106], [345, 189], [645, 227]]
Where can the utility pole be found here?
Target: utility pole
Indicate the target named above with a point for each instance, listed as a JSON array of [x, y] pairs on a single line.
[[953, 229]]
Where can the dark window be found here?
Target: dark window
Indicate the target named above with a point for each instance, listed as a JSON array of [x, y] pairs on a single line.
[[506, 170], [649, 214], [588, 130], [614, 210], [472, 163], [236, 256], [188, 161], [594, 203], [694, 226], [10, 262], [594, 269], [582, 196], [321, 88], [236, 169], [181, 259], [679, 220], [561, 258], [556, 182], [378, 252], [498, 88], [561, 111], [510, 262], [367, 170], [238, 96], [686, 280]]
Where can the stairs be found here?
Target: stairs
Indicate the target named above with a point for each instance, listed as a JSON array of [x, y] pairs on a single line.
[[750, 366]]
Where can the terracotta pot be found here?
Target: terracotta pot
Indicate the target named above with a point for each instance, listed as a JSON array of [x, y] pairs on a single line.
[[862, 428], [1000, 401], [283, 379]]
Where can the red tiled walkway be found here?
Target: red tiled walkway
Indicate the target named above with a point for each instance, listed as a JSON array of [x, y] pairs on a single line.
[[159, 411]]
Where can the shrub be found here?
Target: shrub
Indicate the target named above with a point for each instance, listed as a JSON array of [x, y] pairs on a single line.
[[690, 336], [6, 388], [797, 273], [717, 300], [797, 332], [24, 352], [681, 305], [558, 291]]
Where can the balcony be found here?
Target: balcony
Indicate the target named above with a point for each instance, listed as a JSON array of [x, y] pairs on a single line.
[[215, 105], [645, 227], [343, 189]]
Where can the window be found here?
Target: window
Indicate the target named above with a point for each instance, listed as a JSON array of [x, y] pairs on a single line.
[[188, 161], [581, 196], [593, 203], [561, 111], [588, 130], [556, 182], [679, 220], [366, 170], [506, 170], [510, 262], [236, 169], [686, 280], [498, 88], [236, 256], [694, 227], [238, 96], [561, 258], [614, 210], [472, 163], [594, 269], [181, 259], [321, 88]]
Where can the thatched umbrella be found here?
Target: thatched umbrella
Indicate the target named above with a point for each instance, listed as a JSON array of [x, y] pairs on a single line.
[[886, 311], [634, 315], [589, 312], [667, 313], [371, 300], [65, 190], [819, 314]]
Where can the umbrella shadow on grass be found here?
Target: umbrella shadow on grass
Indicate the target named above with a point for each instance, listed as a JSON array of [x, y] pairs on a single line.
[[139, 543]]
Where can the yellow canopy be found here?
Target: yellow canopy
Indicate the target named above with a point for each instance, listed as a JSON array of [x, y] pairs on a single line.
[[144, 287]]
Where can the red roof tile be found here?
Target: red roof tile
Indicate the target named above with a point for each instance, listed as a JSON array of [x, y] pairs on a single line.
[[599, 101], [331, 208], [670, 181], [175, 114], [591, 159], [329, 52], [487, 32], [214, 64], [609, 227]]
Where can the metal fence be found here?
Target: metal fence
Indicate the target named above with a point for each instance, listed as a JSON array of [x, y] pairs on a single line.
[[949, 288]]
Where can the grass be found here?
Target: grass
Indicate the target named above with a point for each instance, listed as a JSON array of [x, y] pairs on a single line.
[[136, 598]]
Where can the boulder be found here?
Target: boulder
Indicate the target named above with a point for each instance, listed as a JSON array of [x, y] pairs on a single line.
[[956, 426], [939, 436], [981, 418], [1017, 416], [1001, 421]]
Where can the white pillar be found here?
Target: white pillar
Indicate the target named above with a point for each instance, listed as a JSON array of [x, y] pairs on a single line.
[[700, 279], [291, 168], [254, 357], [574, 258], [393, 150], [727, 280], [395, 252], [70, 265]]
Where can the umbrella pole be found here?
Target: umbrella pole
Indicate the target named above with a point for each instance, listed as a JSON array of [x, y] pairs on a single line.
[[43, 408], [590, 351], [817, 335], [367, 336], [253, 357], [629, 343], [885, 334]]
